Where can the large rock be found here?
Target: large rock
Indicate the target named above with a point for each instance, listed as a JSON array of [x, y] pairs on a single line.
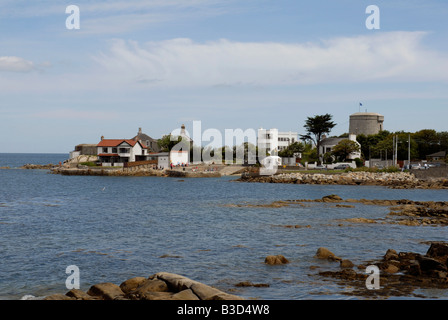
[[430, 264], [157, 296], [324, 253], [275, 260], [180, 283], [346, 264], [58, 296], [106, 290], [438, 251], [154, 285], [391, 254], [79, 295], [160, 286], [186, 294], [332, 198], [132, 284]]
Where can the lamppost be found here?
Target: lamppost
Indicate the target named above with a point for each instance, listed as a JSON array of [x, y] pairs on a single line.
[[409, 149]]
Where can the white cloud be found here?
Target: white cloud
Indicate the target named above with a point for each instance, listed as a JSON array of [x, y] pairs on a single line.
[[15, 64], [394, 56]]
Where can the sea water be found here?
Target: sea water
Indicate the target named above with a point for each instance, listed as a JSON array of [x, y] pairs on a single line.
[[207, 229]]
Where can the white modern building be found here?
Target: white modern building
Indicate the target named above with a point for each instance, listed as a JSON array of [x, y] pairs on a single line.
[[274, 141]]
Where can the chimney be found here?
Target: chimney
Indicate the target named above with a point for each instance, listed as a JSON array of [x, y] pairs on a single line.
[[139, 131], [102, 138]]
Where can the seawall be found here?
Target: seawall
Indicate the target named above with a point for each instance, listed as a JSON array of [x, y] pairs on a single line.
[[397, 180]]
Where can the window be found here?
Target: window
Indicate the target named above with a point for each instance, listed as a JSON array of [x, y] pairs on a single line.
[[114, 150], [104, 150]]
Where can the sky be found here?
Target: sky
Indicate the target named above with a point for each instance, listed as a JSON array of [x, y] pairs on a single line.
[[230, 64]]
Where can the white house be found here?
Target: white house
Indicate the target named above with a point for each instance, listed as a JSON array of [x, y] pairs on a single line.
[[117, 152], [327, 145], [178, 158], [274, 141]]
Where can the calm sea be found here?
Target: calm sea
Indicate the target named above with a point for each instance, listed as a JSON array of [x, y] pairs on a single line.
[[115, 228]]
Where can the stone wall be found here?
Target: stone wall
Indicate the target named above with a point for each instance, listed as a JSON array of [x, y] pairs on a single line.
[[431, 173]]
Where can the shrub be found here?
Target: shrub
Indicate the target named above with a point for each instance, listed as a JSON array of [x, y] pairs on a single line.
[[89, 164]]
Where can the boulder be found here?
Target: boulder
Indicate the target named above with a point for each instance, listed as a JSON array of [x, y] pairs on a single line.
[[346, 264], [275, 260], [58, 296], [157, 296], [148, 285], [174, 282], [186, 294], [391, 254], [391, 268], [430, 264], [438, 251], [324, 253], [160, 286], [179, 283], [132, 284], [106, 290], [332, 198], [414, 268], [79, 295]]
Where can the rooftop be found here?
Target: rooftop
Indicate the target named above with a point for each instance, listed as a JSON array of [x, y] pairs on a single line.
[[116, 142]]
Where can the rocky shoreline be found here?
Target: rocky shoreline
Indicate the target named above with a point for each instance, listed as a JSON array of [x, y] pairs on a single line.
[[159, 286], [396, 180], [400, 273]]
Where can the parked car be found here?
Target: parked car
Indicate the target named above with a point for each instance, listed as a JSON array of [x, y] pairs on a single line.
[[320, 167], [342, 167], [418, 166]]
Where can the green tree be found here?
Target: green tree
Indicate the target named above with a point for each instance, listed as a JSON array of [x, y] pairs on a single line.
[[427, 142], [369, 143], [443, 140], [344, 148], [296, 147], [316, 127], [167, 142]]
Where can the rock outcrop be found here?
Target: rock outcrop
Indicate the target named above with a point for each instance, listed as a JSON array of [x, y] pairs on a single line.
[[160, 286], [401, 273], [404, 211], [324, 253], [276, 260]]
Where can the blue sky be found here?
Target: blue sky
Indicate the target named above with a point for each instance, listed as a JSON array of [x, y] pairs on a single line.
[[231, 64]]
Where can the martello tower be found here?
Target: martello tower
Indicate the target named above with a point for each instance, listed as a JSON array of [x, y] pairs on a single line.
[[366, 123]]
